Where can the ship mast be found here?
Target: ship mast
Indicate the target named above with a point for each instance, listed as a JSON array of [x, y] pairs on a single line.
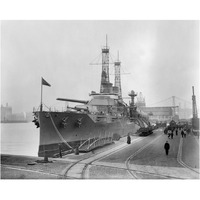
[[117, 66], [105, 67]]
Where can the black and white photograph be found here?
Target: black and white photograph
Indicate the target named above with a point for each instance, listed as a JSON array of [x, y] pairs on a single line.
[[99, 99]]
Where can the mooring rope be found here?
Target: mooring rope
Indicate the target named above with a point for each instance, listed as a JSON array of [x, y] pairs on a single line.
[[59, 134]]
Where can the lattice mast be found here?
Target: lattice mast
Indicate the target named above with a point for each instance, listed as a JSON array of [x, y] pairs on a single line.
[[194, 105], [117, 66], [105, 67]]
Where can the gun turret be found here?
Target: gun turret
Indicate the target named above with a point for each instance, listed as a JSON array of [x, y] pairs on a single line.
[[72, 100], [77, 108]]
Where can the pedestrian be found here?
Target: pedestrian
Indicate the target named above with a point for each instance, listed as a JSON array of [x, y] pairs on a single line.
[[176, 131], [172, 135], [60, 150], [169, 133], [166, 147], [182, 133], [128, 139]]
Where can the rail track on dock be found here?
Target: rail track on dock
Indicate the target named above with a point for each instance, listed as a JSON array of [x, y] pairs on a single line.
[[133, 172], [85, 162], [179, 158], [79, 168]]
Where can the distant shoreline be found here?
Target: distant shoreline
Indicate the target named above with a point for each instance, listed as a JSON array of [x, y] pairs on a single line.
[[7, 122]]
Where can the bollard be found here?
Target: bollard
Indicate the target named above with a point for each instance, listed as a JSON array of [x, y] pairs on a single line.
[[46, 159], [76, 151]]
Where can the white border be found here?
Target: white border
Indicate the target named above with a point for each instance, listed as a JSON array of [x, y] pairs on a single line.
[[98, 10]]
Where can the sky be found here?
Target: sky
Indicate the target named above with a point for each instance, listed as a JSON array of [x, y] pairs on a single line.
[[161, 57]]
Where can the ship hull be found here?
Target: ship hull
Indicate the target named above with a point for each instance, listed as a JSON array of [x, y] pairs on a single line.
[[70, 130]]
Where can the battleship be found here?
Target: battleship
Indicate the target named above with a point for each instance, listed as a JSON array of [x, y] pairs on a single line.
[[103, 119]]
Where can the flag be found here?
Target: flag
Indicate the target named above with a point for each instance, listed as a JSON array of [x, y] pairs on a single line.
[[45, 83]]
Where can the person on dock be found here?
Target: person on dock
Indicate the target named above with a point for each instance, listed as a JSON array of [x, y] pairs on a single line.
[[176, 131], [172, 134], [182, 133], [166, 147], [188, 131], [128, 139], [169, 133]]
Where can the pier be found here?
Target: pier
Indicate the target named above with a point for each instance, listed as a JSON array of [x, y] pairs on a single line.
[[144, 158]]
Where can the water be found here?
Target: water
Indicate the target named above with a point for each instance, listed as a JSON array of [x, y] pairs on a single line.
[[19, 139]]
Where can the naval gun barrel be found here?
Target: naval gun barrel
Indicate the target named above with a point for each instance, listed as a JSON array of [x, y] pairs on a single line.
[[73, 100]]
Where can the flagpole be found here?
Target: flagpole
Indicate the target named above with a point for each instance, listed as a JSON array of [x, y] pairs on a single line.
[[41, 96]]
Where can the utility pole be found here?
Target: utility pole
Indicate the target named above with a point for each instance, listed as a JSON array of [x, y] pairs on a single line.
[[195, 119], [194, 106]]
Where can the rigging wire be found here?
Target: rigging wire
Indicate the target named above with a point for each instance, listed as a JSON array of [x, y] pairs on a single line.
[[111, 58], [184, 100], [161, 101], [46, 106], [96, 58]]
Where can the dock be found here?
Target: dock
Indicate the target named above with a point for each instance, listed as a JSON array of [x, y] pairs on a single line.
[[144, 158]]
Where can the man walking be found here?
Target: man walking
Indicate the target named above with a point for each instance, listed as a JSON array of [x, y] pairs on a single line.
[[172, 135], [182, 133], [166, 147]]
